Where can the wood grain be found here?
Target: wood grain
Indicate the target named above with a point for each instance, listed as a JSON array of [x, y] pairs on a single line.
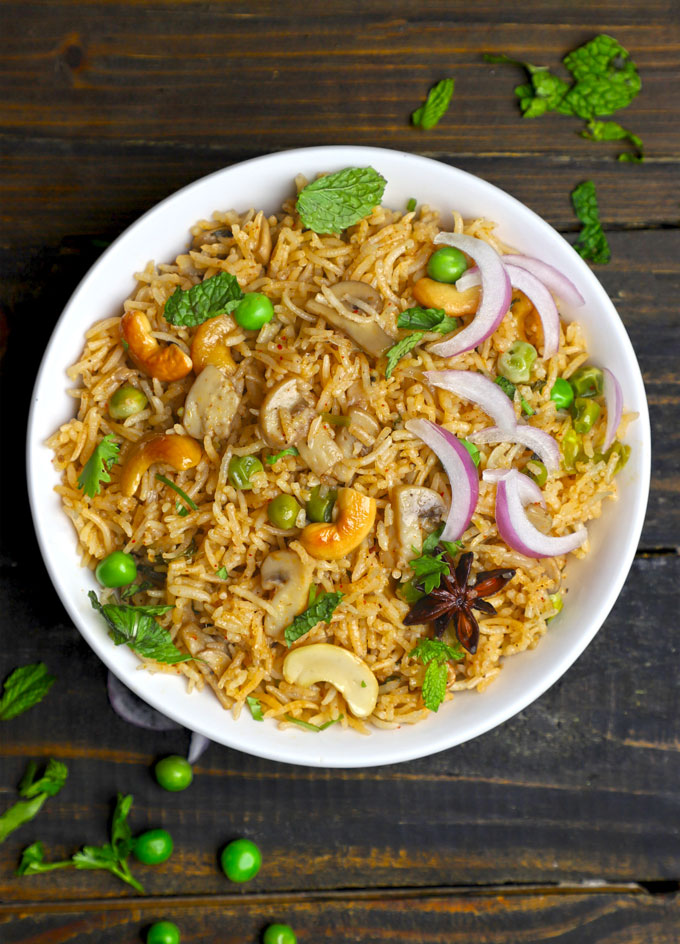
[[499, 916]]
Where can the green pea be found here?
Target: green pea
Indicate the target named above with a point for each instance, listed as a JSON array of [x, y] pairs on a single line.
[[153, 847], [320, 503], [241, 469], [446, 264], [562, 394], [282, 511], [587, 381], [163, 932], [174, 773], [126, 401], [279, 934], [253, 311], [241, 860], [116, 570], [586, 413], [516, 363], [571, 449], [537, 471], [472, 449]]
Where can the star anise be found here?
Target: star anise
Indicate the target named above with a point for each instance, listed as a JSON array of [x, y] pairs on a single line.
[[454, 600]]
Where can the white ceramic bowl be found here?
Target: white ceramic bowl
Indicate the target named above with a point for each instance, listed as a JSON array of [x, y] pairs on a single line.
[[263, 183]]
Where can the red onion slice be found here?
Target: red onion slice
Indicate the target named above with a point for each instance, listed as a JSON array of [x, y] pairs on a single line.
[[131, 708], [540, 442], [516, 529], [460, 469], [551, 277], [495, 300], [529, 492], [476, 387], [613, 398], [535, 291]]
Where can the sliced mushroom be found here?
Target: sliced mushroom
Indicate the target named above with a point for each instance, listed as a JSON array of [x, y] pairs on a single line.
[[210, 649], [356, 297], [415, 505], [324, 662], [320, 452], [540, 518], [211, 404], [287, 412], [284, 572], [359, 436]]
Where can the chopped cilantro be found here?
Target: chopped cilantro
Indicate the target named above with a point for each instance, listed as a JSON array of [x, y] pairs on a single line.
[[290, 451], [217, 295], [591, 243], [222, 573], [411, 205], [255, 707], [332, 203], [435, 106], [96, 469], [319, 611]]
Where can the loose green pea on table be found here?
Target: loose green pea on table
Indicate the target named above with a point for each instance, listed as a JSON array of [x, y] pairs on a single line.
[[279, 934], [163, 932], [241, 860], [174, 773], [153, 847]]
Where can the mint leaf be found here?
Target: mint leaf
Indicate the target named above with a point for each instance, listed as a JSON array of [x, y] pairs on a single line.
[[24, 688], [218, 295], [435, 106], [434, 685], [424, 319], [591, 243], [332, 203], [611, 131], [136, 627], [401, 349], [429, 650], [290, 451], [255, 707], [435, 654], [606, 78], [308, 726], [320, 611], [33, 861], [96, 469]]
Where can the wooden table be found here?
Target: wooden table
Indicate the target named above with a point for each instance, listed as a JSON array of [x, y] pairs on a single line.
[[562, 824]]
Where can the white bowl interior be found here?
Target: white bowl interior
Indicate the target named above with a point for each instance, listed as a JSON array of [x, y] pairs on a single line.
[[263, 183]]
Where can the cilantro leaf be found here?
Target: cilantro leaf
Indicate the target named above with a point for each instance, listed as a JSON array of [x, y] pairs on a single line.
[[435, 106], [255, 707], [112, 856], [136, 627], [435, 654], [611, 131], [24, 688], [222, 573], [508, 387], [308, 726], [34, 793], [591, 243], [428, 569], [332, 203], [290, 451], [320, 611], [122, 842], [401, 349], [606, 78], [33, 861], [432, 540], [96, 469], [409, 592], [218, 295]]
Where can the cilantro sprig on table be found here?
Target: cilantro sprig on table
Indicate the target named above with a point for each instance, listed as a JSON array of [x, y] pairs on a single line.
[[96, 469], [435, 654], [320, 610], [25, 687], [592, 242], [136, 627], [419, 321], [435, 105], [218, 295], [332, 203], [34, 793], [605, 79]]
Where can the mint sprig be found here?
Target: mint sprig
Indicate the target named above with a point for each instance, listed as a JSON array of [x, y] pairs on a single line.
[[424, 319], [435, 106], [332, 203], [136, 627], [320, 611], [435, 654], [218, 295]]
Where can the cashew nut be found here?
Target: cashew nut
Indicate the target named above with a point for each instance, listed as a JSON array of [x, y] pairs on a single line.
[[181, 452], [319, 452], [433, 294], [356, 515], [287, 412], [284, 572], [415, 504], [208, 345], [163, 363], [323, 662], [211, 404], [355, 296]]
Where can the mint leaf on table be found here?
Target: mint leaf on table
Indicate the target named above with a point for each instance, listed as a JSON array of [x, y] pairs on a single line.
[[332, 203], [255, 707], [401, 349], [611, 131], [320, 611], [591, 243], [96, 469], [136, 627], [25, 687], [435, 654], [544, 92], [606, 78], [218, 295], [308, 726], [435, 106], [34, 793], [33, 861]]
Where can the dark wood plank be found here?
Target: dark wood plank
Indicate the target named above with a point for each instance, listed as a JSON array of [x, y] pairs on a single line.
[[173, 72], [543, 918], [580, 785]]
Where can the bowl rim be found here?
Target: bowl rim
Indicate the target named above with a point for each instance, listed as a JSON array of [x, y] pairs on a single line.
[[289, 748]]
